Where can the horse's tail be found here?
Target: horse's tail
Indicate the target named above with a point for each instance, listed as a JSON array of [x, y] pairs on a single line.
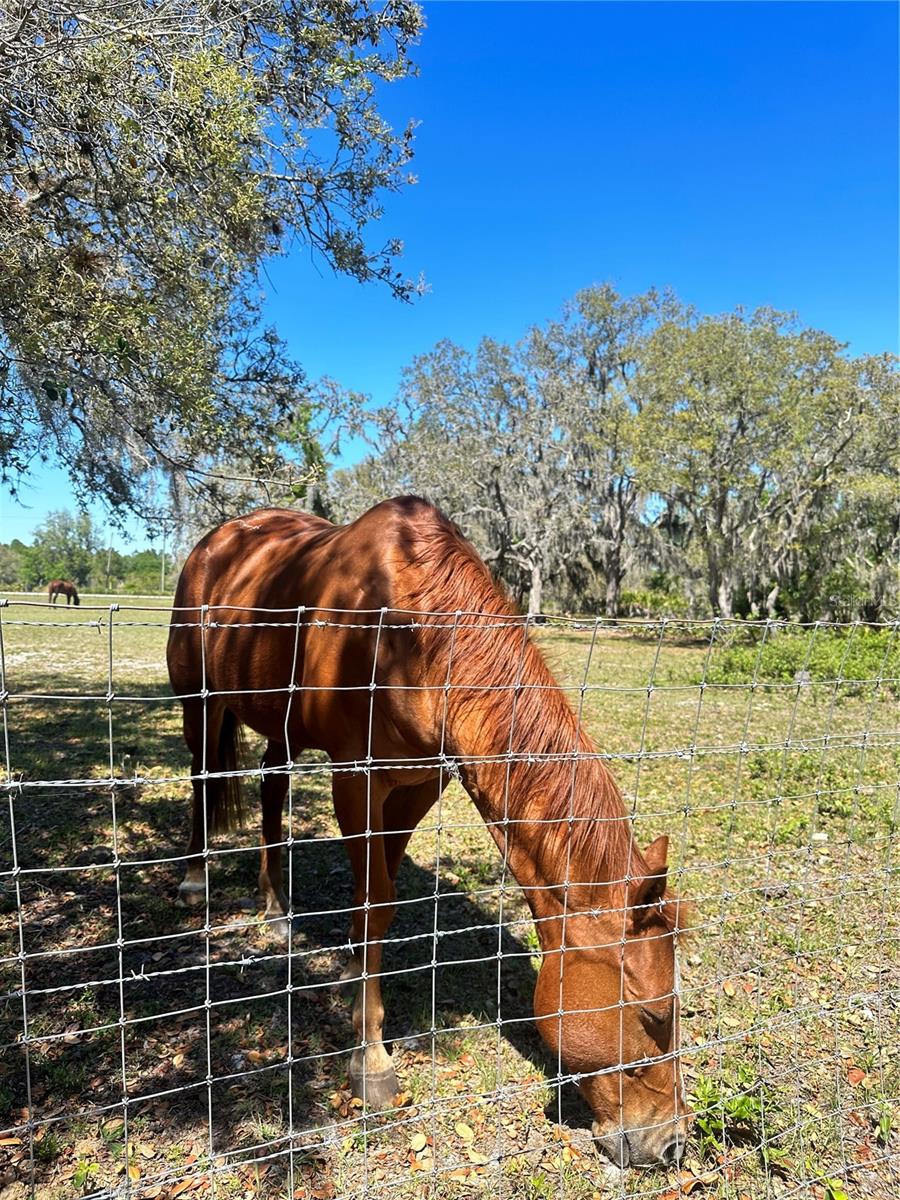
[[227, 803]]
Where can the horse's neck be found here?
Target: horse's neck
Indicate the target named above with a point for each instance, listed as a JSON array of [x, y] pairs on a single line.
[[548, 801], [537, 813]]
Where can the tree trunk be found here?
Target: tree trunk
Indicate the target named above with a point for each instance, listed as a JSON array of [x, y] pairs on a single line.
[[720, 580], [536, 595], [772, 600], [725, 596], [713, 579], [613, 588]]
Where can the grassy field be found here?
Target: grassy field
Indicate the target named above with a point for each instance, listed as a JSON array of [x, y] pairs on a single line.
[[781, 802]]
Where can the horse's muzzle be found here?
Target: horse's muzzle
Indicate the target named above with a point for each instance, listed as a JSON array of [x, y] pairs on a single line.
[[663, 1145]]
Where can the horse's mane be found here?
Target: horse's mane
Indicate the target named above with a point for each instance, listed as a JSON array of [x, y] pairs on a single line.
[[445, 575]]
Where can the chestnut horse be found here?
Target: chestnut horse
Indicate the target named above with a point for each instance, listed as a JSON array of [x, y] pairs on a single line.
[[62, 587], [356, 668]]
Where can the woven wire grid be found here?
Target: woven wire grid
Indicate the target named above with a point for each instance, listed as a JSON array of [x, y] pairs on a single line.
[[153, 1050]]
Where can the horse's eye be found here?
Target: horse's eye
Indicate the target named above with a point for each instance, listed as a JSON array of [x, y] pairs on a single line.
[[654, 1016]]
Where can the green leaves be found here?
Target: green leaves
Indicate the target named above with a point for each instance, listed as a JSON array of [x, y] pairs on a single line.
[[729, 1108], [753, 430], [884, 1123], [834, 1190], [148, 177], [634, 440]]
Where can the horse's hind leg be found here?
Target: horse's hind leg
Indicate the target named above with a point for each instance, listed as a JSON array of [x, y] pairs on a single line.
[[271, 880], [208, 793]]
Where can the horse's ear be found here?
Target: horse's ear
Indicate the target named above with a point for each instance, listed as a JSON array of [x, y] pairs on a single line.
[[649, 889]]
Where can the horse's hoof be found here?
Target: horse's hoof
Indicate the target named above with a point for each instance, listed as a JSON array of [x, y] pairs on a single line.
[[276, 928], [192, 892], [376, 1089]]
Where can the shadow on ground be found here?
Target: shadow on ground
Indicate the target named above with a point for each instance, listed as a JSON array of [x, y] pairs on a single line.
[[129, 995]]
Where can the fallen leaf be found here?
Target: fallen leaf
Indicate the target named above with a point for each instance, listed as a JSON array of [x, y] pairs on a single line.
[[687, 1183], [466, 1132], [707, 1179], [478, 1159], [728, 987], [855, 1075], [10, 1141], [418, 1142]]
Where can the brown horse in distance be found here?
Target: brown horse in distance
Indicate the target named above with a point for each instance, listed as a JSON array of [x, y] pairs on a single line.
[[354, 668], [62, 587]]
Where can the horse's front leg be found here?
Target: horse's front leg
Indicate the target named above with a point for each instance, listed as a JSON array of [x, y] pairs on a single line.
[[271, 880], [358, 808]]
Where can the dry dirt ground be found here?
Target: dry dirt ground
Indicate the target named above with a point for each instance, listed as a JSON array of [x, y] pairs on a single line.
[[781, 801]]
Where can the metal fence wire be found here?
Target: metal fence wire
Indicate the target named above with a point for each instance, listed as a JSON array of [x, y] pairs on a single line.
[[158, 1048]]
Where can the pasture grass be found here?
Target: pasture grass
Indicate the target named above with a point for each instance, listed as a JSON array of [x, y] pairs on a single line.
[[781, 801]]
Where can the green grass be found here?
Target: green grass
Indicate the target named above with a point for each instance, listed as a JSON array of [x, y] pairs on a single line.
[[781, 804], [854, 656]]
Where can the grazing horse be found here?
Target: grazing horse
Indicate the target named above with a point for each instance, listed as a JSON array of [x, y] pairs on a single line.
[[394, 650], [62, 587]]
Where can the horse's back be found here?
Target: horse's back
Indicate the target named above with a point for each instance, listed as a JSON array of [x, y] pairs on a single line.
[[267, 579], [242, 562], [296, 602], [243, 566], [280, 558]]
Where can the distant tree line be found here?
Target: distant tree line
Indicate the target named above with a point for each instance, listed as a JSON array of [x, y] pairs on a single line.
[[634, 456], [68, 546]]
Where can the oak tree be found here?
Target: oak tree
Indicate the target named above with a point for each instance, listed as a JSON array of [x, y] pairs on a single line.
[[151, 158]]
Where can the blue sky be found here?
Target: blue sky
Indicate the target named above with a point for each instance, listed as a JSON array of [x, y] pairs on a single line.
[[741, 153]]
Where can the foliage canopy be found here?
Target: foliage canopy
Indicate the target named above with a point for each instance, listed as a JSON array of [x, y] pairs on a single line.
[[151, 158], [634, 451]]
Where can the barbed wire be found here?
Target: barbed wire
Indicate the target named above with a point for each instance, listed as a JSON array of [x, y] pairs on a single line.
[[781, 799]]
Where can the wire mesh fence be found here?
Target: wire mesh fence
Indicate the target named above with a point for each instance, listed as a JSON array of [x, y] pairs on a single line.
[[168, 1036]]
